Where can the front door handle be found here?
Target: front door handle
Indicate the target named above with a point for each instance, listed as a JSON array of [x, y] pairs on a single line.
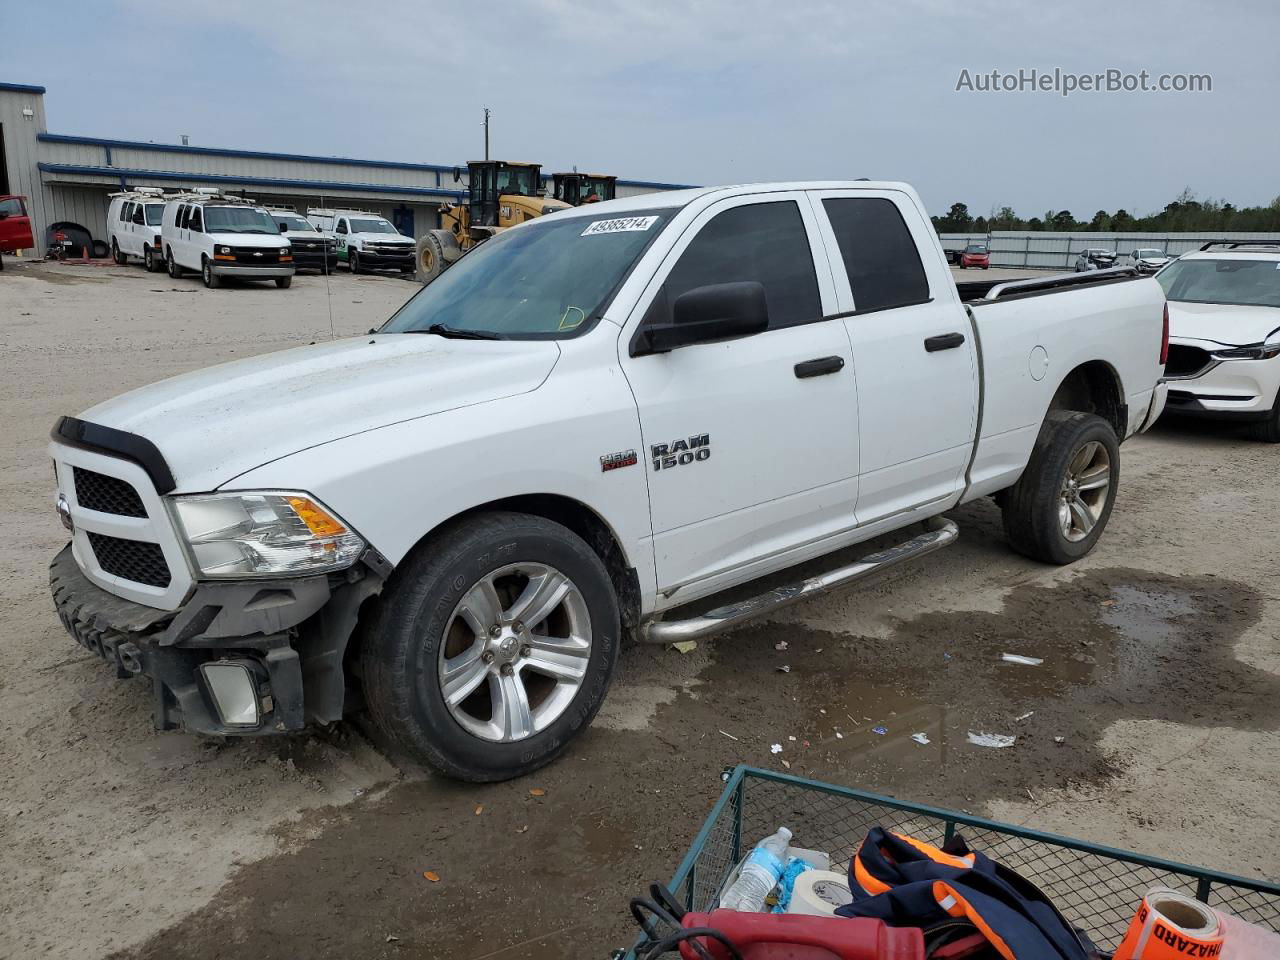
[[819, 367], [943, 341]]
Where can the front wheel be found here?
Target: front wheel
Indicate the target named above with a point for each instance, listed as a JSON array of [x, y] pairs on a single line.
[[492, 647], [1059, 507], [1268, 431], [353, 261], [211, 279]]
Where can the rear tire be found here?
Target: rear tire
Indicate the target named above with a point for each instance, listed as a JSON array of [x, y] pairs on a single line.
[[284, 283], [499, 721], [171, 266], [149, 260], [120, 259], [1060, 505]]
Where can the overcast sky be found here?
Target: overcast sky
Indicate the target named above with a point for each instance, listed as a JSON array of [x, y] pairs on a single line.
[[691, 92]]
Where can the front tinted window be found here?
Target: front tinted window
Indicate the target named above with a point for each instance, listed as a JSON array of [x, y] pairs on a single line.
[[367, 225], [879, 255], [1244, 282], [765, 242], [138, 214], [292, 222], [239, 220], [548, 280], [12, 206]]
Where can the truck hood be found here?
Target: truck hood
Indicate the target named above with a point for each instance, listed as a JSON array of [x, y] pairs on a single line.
[[1222, 323], [249, 239], [212, 425], [382, 238]]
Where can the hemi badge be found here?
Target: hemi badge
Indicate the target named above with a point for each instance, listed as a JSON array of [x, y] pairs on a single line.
[[613, 461]]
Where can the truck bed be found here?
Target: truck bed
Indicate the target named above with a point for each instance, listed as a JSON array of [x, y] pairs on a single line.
[[974, 291]]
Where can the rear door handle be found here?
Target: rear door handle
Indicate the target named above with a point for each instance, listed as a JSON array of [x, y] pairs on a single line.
[[943, 341], [819, 367]]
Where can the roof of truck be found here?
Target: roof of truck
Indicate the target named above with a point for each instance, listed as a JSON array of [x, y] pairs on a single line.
[[665, 199]]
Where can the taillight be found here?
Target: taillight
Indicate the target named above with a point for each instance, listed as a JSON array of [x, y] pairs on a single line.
[[1164, 338]]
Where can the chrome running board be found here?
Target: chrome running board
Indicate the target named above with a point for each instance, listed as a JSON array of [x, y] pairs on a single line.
[[941, 533]]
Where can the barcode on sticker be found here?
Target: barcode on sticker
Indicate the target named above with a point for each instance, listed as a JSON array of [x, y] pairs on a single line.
[[620, 225]]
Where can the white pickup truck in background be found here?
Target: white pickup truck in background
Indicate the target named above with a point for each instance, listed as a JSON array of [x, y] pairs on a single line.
[[587, 423]]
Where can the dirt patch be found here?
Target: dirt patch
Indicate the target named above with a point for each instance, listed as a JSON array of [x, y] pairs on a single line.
[[620, 808]]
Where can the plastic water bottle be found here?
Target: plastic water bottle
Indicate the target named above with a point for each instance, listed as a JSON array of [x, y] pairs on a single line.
[[759, 874]]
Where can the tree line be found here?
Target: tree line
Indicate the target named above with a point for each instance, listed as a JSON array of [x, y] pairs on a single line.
[[1185, 214]]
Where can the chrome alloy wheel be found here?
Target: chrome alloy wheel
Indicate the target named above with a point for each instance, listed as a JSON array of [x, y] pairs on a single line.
[[1084, 490], [515, 652]]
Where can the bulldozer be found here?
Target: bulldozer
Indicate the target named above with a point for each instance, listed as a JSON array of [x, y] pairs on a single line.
[[500, 194], [576, 188]]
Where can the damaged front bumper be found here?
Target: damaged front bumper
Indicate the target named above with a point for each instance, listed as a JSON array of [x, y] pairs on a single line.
[[238, 658]]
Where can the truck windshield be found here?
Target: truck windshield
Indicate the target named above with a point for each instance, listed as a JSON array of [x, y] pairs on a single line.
[[293, 222], [154, 213], [523, 181], [238, 220], [372, 226], [546, 281], [1247, 283]]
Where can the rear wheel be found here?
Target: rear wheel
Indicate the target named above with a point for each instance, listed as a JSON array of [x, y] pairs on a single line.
[[284, 283], [116, 255], [1058, 509], [493, 648], [171, 265], [211, 279], [149, 259]]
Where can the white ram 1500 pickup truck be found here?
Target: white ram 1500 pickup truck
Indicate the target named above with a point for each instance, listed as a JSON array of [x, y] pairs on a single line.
[[590, 421]]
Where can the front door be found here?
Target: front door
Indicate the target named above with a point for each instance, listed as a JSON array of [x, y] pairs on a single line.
[[750, 443], [15, 225], [914, 352]]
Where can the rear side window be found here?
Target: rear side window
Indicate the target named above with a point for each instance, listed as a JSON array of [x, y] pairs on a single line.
[[124, 211], [879, 255], [12, 206], [765, 242]]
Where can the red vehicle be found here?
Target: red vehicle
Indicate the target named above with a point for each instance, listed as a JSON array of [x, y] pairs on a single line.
[[15, 225], [975, 255]]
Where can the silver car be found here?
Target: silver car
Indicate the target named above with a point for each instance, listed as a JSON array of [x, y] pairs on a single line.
[[1095, 258], [1147, 259]]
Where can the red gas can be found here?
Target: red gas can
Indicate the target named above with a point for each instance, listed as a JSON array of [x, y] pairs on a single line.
[[792, 936]]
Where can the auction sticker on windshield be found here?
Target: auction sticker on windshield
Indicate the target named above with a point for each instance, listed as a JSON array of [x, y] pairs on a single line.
[[619, 225]]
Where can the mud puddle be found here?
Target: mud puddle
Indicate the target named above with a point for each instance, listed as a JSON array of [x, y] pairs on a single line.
[[550, 876]]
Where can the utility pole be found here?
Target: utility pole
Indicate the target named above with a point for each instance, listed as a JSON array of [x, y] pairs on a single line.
[[486, 133]]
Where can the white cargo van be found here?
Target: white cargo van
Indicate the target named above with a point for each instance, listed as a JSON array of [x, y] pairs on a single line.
[[224, 236], [133, 226]]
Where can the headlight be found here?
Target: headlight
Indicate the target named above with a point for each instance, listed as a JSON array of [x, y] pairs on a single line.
[[262, 534], [1259, 351], [224, 250]]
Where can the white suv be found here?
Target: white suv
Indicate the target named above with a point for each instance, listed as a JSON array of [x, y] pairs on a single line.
[[224, 237], [133, 227], [1224, 333]]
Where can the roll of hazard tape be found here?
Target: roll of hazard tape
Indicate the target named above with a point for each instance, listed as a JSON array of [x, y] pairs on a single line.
[[1171, 926], [817, 893]]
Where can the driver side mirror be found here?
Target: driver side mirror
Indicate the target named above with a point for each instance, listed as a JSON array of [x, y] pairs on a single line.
[[284, 228], [457, 174], [718, 311], [4, 214]]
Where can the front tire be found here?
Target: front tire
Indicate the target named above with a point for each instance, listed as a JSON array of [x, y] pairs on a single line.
[[1268, 431], [211, 279], [492, 647], [353, 261], [430, 258], [1060, 505]]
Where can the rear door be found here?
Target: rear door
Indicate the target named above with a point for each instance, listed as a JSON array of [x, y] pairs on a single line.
[[15, 225], [750, 443], [913, 351]]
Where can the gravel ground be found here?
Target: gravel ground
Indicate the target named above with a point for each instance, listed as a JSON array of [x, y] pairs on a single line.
[[1161, 673]]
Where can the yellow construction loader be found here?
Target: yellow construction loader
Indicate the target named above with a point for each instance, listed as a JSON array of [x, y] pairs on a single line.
[[499, 195], [576, 188]]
